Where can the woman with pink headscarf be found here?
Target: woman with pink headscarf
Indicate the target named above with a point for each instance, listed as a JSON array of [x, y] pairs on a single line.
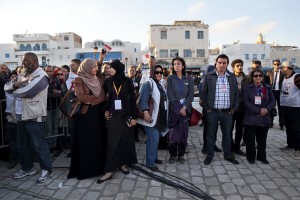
[[88, 150]]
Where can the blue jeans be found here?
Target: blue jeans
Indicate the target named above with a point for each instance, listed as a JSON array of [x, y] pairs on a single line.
[[213, 118], [31, 141], [152, 144]]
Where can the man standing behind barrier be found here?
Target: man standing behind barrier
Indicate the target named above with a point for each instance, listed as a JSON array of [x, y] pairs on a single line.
[[30, 109], [290, 100], [220, 99]]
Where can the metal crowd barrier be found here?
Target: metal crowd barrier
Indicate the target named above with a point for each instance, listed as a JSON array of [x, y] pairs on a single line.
[[56, 125]]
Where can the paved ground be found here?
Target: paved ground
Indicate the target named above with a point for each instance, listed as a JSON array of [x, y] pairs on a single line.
[[220, 179]]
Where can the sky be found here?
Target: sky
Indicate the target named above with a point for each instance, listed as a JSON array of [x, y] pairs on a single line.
[[228, 20]]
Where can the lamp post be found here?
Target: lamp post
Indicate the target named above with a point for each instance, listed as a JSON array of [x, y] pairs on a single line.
[[126, 59], [48, 61], [95, 51]]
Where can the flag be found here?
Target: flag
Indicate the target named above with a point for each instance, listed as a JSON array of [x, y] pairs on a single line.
[[107, 48], [145, 58]]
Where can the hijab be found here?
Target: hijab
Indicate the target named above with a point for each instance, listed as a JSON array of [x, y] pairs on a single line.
[[85, 73], [153, 74], [119, 77]]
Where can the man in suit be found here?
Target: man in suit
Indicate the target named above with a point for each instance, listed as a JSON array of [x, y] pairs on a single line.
[[276, 78]]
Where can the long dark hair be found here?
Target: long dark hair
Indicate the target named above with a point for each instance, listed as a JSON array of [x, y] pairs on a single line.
[[183, 65]]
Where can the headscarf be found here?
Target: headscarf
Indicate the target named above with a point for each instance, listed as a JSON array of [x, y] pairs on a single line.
[[153, 74], [85, 73], [119, 77]]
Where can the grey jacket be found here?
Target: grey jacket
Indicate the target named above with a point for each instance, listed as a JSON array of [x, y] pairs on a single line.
[[208, 91], [175, 93]]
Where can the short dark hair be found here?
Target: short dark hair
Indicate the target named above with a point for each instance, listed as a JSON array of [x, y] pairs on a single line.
[[276, 60], [77, 61], [257, 62], [152, 57], [183, 65], [66, 67], [236, 61], [252, 73], [222, 56]]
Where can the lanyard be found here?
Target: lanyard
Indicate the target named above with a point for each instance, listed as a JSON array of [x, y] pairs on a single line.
[[181, 87], [258, 90], [117, 90]]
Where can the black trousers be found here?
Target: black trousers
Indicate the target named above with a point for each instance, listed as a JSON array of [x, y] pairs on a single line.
[[177, 149], [291, 117], [237, 119], [260, 134], [280, 108]]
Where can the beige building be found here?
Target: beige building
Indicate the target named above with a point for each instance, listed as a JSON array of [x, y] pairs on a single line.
[[186, 39]]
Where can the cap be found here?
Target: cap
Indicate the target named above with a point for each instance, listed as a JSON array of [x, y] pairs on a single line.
[[288, 64]]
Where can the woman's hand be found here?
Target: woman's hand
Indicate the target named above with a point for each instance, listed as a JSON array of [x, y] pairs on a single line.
[[263, 111], [107, 115], [147, 117], [182, 111], [133, 122]]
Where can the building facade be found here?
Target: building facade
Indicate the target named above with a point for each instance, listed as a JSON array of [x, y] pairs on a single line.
[[286, 53], [186, 39]]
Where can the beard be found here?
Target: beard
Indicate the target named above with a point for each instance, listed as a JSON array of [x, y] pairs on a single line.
[[29, 68]]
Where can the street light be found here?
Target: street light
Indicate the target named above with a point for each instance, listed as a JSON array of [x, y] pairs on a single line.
[[48, 61], [126, 59], [95, 51]]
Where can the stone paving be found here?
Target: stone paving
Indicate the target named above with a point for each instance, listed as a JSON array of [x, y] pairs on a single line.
[[221, 179]]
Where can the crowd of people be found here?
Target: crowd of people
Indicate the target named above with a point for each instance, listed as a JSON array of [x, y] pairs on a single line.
[[106, 127]]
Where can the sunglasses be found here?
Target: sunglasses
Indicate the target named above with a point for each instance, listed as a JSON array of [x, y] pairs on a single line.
[[257, 75], [158, 72]]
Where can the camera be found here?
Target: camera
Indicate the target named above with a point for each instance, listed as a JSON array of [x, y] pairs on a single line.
[[103, 51]]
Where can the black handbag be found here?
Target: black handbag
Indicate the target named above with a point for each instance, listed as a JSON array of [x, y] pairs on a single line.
[[70, 105]]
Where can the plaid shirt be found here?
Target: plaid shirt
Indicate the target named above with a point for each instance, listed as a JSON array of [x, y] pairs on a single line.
[[222, 97]]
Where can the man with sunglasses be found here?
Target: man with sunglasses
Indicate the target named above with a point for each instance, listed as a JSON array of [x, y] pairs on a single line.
[[276, 78], [290, 100]]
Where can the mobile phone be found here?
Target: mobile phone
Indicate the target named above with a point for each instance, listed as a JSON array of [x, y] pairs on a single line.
[[103, 51]]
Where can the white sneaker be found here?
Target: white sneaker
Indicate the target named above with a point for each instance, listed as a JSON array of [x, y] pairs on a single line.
[[45, 175], [21, 173]]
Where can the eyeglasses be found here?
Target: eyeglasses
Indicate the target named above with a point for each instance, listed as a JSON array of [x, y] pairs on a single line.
[[257, 75], [276, 64], [158, 72]]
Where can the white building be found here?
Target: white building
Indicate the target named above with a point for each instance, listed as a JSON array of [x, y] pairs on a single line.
[[286, 53], [186, 39], [60, 49]]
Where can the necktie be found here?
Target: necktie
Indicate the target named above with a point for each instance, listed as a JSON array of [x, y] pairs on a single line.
[[274, 83]]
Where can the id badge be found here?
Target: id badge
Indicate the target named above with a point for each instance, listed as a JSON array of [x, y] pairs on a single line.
[[223, 88], [257, 100], [118, 104]]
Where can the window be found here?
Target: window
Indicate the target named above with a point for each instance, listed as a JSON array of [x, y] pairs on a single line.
[[81, 56], [283, 59], [163, 34], [246, 56], [200, 52], [134, 50], [173, 53], [66, 38], [187, 34], [293, 60], [187, 53], [254, 56], [200, 35], [263, 56], [22, 47], [7, 55], [36, 47], [44, 47], [100, 44], [163, 53], [28, 47]]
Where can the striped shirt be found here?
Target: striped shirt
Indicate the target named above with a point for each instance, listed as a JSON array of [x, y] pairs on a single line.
[[222, 96]]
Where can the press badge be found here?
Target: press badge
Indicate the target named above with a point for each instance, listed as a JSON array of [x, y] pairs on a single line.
[[182, 101], [223, 88], [118, 104], [257, 100]]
